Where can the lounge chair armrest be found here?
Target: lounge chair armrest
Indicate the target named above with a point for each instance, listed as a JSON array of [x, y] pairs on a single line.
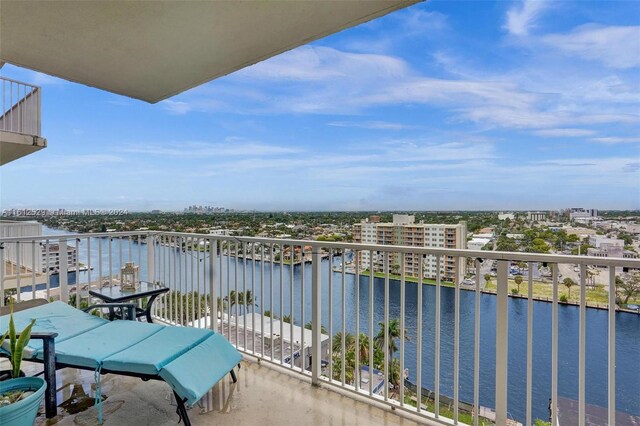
[[43, 335], [129, 307]]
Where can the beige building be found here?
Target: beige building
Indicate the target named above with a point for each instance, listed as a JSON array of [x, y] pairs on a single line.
[[23, 256], [404, 231]]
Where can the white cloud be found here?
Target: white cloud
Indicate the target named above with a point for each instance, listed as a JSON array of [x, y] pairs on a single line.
[[565, 133], [391, 158], [176, 107], [615, 46], [616, 140], [545, 94], [377, 125], [522, 17], [232, 147], [317, 63], [412, 150], [68, 163]]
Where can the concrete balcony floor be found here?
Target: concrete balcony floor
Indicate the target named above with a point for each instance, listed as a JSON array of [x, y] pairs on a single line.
[[262, 396]]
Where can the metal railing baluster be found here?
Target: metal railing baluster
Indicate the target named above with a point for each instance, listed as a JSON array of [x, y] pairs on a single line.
[[611, 358], [437, 340], [419, 340]]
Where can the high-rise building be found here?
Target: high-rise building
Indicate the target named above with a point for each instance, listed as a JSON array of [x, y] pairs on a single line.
[[582, 214], [404, 231], [536, 216]]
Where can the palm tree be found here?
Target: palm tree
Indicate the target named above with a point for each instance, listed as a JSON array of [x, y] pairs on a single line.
[[393, 331], [395, 375], [231, 299], [221, 305], [395, 269], [518, 279], [487, 278], [363, 348], [350, 367], [568, 283], [245, 298], [349, 342], [309, 326]]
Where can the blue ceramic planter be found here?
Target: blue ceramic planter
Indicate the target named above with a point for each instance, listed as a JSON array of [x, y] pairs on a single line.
[[23, 412]]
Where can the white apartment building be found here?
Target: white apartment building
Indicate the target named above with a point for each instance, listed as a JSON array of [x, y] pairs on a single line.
[[51, 257], [599, 240], [580, 214], [404, 231], [536, 216], [23, 255], [476, 243], [609, 250], [220, 232], [505, 216]]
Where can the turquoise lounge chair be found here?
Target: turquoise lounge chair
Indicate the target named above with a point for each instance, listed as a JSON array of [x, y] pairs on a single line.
[[190, 360]]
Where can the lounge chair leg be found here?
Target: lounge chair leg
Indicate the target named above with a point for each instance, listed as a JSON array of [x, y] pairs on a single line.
[[50, 403], [233, 376], [182, 411]]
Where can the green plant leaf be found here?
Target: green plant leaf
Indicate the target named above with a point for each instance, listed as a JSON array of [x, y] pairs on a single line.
[[16, 357], [4, 336], [12, 330]]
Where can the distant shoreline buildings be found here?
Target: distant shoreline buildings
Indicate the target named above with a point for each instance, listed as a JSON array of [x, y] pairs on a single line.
[[404, 231], [206, 209]]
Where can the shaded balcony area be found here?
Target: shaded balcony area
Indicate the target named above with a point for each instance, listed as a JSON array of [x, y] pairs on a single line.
[[262, 396]]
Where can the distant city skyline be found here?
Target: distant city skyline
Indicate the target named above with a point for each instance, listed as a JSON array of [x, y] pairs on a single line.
[[444, 106]]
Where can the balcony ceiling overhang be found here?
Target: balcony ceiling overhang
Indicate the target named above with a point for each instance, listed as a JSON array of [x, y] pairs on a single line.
[[153, 50], [17, 145]]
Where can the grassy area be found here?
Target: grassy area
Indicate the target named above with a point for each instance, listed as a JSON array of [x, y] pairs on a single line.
[[445, 410], [408, 279], [595, 295]]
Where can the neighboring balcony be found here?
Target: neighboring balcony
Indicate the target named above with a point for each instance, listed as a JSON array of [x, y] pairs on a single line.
[[475, 352], [20, 120]]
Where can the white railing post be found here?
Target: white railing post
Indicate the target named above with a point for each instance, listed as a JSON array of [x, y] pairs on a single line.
[[582, 346], [502, 332], [316, 315], [38, 112], [22, 113], [151, 258], [63, 259], [213, 282], [2, 266], [554, 347], [611, 385]]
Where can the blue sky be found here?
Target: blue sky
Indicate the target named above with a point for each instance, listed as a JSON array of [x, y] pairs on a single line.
[[445, 105]]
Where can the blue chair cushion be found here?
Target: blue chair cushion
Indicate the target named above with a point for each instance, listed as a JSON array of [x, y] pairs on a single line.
[[195, 372], [156, 351], [91, 348], [57, 317]]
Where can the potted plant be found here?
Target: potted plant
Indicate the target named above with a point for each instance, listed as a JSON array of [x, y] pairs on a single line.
[[20, 397]]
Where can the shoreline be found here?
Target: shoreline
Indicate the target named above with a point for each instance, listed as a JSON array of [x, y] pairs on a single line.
[[449, 284]]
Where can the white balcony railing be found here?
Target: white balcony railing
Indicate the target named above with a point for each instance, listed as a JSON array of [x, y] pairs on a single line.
[[471, 356], [21, 111]]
